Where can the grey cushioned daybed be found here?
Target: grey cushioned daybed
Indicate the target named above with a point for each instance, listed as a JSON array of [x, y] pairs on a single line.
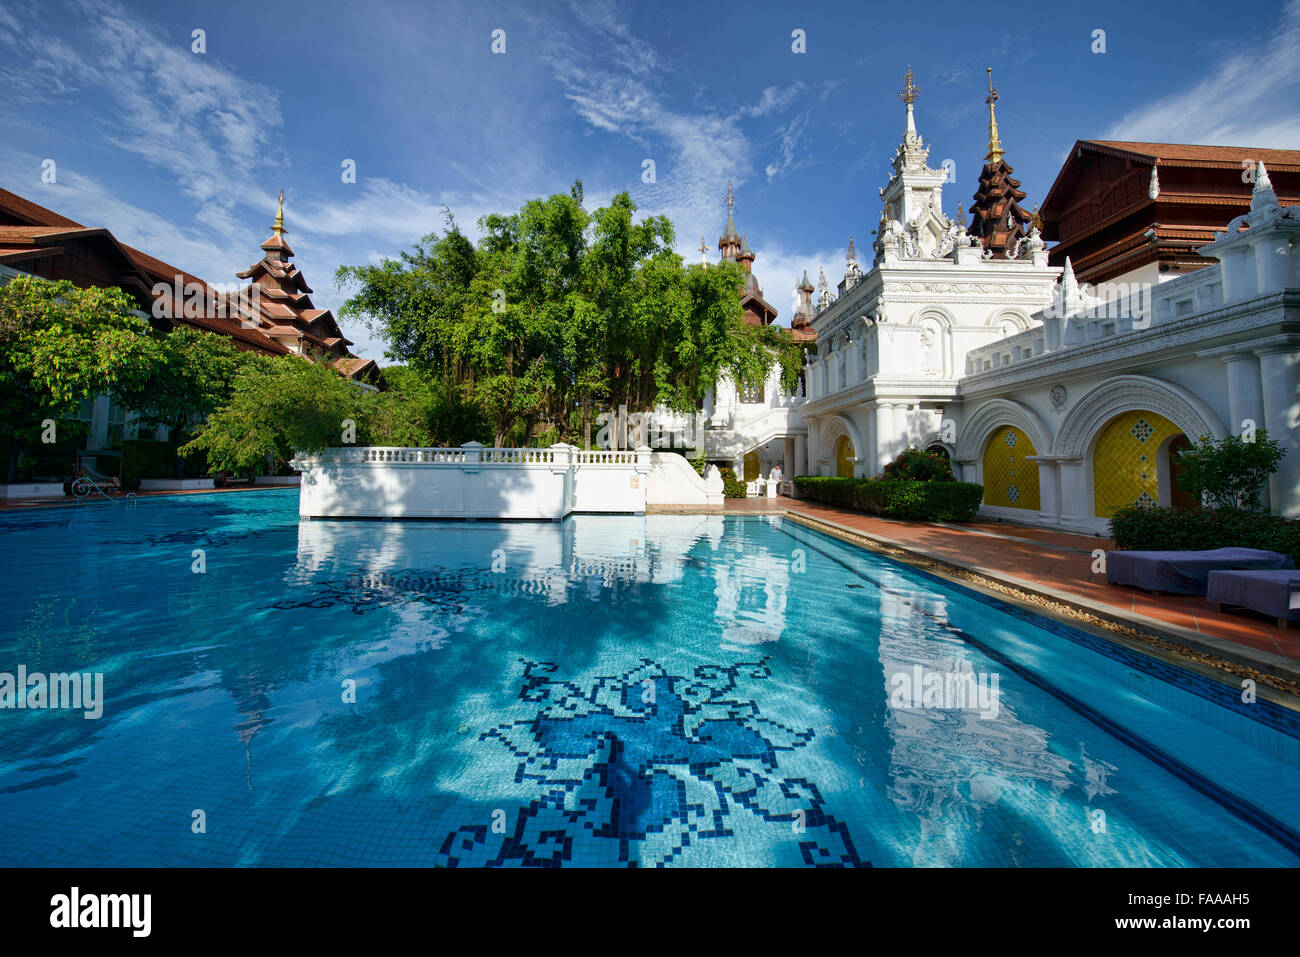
[[1275, 593], [1186, 573]]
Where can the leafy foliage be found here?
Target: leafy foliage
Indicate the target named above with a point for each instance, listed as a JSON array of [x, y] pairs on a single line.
[[60, 344], [920, 466], [732, 487], [934, 501], [1230, 472], [1147, 528], [178, 379], [558, 314], [281, 405]]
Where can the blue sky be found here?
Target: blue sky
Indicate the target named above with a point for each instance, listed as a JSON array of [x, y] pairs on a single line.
[[182, 154]]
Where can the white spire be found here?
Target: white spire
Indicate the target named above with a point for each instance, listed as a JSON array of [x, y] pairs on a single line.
[[1262, 196], [908, 95], [1153, 190]]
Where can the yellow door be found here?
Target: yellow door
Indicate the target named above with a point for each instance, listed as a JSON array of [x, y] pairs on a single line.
[[844, 457]]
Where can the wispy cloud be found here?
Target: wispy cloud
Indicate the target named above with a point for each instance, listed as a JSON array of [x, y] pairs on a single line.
[[787, 158], [1236, 103]]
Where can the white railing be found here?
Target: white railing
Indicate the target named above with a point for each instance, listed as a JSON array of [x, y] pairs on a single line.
[[599, 457], [463, 455]]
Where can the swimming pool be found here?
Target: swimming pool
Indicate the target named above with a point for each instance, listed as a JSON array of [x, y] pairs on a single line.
[[609, 690]]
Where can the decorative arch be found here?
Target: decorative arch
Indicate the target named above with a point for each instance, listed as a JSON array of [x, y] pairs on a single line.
[[993, 415], [941, 315], [1018, 317], [838, 426], [1133, 393]]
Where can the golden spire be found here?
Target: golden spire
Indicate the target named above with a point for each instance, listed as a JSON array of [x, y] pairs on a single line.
[[995, 152], [1037, 221], [910, 90], [278, 228]]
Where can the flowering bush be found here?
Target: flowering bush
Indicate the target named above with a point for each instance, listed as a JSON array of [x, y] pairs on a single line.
[[919, 466]]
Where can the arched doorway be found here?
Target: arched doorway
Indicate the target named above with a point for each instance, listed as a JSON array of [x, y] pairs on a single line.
[[751, 466], [1010, 479], [844, 456], [1130, 464]]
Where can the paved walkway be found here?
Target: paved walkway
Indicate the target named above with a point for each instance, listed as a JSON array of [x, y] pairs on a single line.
[[1056, 565]]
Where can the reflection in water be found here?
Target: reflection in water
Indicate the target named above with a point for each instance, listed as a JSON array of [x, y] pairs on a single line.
[[500, 673]]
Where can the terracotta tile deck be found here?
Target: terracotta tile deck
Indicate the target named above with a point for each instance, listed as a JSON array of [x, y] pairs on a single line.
[[1055, 564]]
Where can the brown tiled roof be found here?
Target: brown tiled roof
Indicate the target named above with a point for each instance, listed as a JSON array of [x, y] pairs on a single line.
[[1194, 155]]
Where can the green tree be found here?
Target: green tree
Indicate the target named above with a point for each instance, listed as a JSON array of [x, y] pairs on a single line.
[[179, 379], [1230, 472], [60, 344], [281, 405], [558, 314]]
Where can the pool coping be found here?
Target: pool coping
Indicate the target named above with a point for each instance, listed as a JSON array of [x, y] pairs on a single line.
[[1276, 677]]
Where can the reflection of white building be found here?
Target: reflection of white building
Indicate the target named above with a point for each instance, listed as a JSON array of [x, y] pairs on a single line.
[[1064, 402]]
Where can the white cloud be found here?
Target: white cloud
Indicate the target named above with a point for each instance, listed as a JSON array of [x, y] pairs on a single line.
[[786, 161], [1246, 100]]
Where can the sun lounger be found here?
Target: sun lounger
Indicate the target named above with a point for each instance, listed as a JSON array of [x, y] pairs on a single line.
[[1186, 573], [1275, 592]]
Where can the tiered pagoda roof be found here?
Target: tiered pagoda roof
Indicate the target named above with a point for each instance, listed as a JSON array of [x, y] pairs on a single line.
[[279, 320], [997, 218], [735, 248], [284, 310]]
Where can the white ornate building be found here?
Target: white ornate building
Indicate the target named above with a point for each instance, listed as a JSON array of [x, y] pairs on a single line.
[[1064, 404]]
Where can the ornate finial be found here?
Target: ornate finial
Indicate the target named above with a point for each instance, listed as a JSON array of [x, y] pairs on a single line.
[[1036, 222], [853, 253], [704, 251], [821, 278], [731, 199], [961, 216], [995, 152], [278, 228], [910, 90]]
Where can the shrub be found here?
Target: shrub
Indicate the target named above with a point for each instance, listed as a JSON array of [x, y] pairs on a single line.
[[1230, 472], [935, 501], [145, 458], [1147, 528], [732, 487], [920, 466]]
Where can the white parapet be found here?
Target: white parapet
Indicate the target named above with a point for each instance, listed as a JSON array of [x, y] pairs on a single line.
[[673, 481], [472, 481], [32, 490]]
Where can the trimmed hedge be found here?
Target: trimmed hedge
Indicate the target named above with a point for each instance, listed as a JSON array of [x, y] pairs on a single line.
[[896, 498], [1146, 528]]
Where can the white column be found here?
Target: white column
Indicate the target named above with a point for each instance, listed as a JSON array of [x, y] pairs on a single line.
[[97, 437], [883, 446], [1245, 398], [800, 456], [1049, 489], [1077, 508], [1280, 381], [901, 430], [787, 465]]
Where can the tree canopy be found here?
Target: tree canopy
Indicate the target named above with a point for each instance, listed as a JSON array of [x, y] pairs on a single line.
[[60, 344], [558, 314]]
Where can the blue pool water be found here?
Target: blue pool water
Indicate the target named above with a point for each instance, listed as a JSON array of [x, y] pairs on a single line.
[[610, 690]]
